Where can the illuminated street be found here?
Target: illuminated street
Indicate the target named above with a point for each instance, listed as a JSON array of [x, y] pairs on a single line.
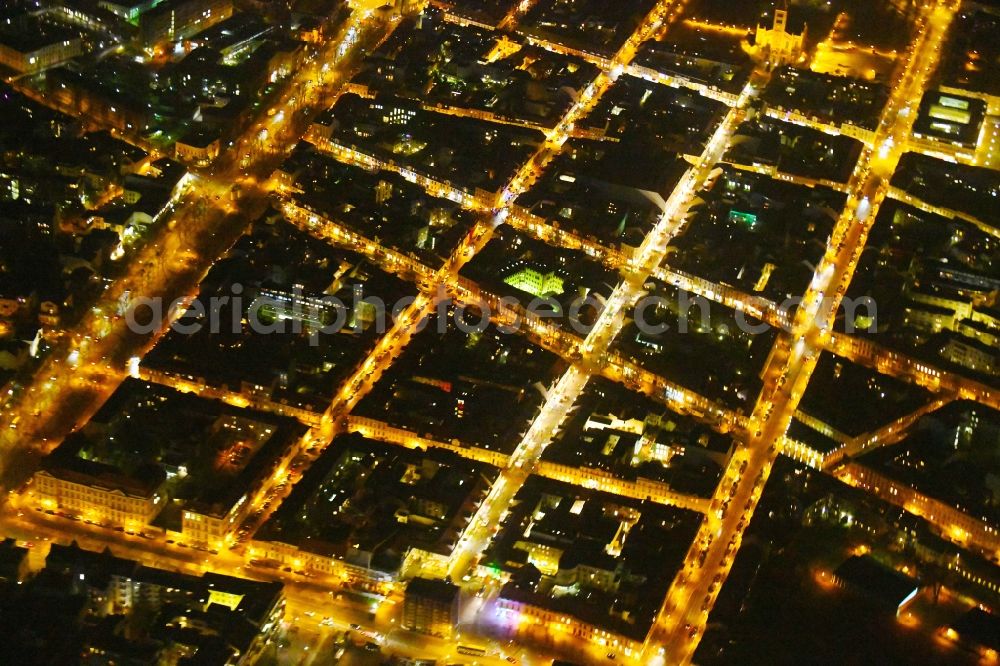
[[690, 599], [242, 379], [198, 224]]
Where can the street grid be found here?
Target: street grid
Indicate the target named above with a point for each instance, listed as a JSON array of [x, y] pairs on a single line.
[[759, 437]]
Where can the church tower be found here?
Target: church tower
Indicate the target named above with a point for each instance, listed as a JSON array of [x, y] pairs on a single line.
[[775, 43], [781, 18]]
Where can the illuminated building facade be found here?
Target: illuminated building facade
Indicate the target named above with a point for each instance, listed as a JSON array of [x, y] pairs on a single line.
[[97, 493], [232, 618], [779, 41], [961, 527], [197, 148], [431, 607], [949, 125], [33, 53], [130, 10], [176, 20], [532, 280]]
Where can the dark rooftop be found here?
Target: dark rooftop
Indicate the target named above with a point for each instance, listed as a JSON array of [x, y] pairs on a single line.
[[979, 627], [435, 590], [872, 578]]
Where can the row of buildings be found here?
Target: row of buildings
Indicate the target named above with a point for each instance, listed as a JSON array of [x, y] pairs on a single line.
[[195, 487], [95, 607], [29, 44]]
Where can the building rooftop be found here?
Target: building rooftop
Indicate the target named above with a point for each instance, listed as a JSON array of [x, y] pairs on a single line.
[[979, 627], [12, 557], [65, 464], [970, 61], [438, 591], [34, 35], [867, 575], [951, 118], [368, 503]]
